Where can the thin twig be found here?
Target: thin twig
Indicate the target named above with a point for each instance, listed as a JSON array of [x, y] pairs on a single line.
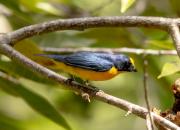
[[99, 95], [81, 24], [175, 34], [145, 77], [148, 123], [110, 50], [91, 22]]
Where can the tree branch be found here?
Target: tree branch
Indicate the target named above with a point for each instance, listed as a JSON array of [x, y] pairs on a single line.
[[91, 22], [145, 78], [81, 24], [175, 34], [99, 95], [110, 50]]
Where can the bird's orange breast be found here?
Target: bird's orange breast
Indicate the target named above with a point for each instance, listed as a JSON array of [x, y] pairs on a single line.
[[87, 74]]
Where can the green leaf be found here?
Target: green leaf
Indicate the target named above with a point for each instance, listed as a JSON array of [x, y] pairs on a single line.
[[125, 4], [169, 69], [47, 7], [175, 6], [40, 6], [18, 70], [6, 88], [37, 102], [18, 15], [7, 126], [8, 123], [103, 38], [160, 44]]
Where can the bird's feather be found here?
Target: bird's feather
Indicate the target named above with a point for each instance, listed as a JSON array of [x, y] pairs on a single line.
[[85, 60]]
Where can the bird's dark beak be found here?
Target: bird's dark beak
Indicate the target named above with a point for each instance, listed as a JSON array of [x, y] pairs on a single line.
[[133, 69]]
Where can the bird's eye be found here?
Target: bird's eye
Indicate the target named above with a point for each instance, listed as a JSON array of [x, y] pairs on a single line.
[[128, 64]]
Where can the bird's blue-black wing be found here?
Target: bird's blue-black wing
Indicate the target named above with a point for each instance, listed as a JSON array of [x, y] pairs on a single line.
[[85, 60], [88, 60]]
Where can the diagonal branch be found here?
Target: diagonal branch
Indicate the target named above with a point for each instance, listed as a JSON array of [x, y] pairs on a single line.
[[99, 95], [81, 24]]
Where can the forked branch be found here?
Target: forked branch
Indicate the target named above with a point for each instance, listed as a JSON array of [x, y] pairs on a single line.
[[84, 23]]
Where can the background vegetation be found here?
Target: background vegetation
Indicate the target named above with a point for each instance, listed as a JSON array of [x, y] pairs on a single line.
[[22, 107]]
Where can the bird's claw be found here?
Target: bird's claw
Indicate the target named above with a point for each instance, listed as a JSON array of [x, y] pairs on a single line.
[[69, 80], [86, 97], [93, 87]]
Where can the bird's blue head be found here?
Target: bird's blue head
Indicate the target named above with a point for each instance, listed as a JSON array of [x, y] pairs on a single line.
[[124, 63]]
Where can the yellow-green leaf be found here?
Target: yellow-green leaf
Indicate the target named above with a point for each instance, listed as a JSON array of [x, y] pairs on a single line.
[[17, 70], [161, 44], [40, 6], [47, 7], [8, 123], [169, 69], [125, 4]]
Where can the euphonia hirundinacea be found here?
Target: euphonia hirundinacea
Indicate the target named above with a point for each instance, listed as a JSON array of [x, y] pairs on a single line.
[[94, 66]]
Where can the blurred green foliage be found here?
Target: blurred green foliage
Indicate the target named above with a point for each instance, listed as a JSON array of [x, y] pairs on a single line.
[[50, 99]]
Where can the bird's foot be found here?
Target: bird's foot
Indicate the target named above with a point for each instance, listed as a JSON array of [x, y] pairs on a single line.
[[86, 97], [88, 85], [93, 87], [69, 80]]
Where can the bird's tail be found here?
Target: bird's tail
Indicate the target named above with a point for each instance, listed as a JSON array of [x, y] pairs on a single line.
[[32, 51], [52, 56]]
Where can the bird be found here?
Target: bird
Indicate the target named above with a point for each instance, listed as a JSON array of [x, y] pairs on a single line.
[[92, 66]]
